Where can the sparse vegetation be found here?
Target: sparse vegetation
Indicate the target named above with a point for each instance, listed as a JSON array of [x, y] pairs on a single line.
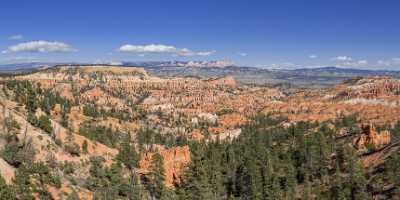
[[73, 149], [102, 134]]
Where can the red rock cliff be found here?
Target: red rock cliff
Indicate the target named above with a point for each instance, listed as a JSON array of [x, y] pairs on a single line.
[[175, 160]]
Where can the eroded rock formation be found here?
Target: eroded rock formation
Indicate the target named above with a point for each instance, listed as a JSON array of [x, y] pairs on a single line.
[[175, 160], [371, 138]]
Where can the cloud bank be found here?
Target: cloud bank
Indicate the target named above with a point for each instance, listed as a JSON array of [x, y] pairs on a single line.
[[342, 58], [161, 48], [347, 61], [312, 56], [394, 62], [16, 37], [39, 46]]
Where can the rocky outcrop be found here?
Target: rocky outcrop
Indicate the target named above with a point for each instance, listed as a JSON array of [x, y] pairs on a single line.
[[227, 135], [225, 81], [175, 161], [371, 137], [370, 88], [6, 171], [232, 120]]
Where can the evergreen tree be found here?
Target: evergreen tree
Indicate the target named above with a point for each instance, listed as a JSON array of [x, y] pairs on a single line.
[[85, 147], [6, 192], [196, 184], [45, 124], [157, 176], [130, 159], [357, 181]]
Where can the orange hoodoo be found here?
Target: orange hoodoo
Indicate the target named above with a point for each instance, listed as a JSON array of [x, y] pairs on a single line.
[[371, 137]]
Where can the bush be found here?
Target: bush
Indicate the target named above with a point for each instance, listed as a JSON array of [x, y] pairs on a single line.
[[9, 153], [73, 149], [11, 123], [58, 142], [102, 134], [32, 119], [85, 147], [6, 192], [45, 124], [16, 155], [73, 196], [68, 167], [370, 148]]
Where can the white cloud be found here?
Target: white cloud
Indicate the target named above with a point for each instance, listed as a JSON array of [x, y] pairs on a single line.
[[342, 58], [151, 48], [187, 52], [285, 65], [206, 53], [313, 56], [242, 54], [39, 46], [108, 62], [353, 63], [160, 48], [362, 62], [394, 62], [16, 37], [347, 61]]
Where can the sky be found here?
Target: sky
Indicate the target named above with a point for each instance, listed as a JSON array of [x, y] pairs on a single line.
[[271, 34]]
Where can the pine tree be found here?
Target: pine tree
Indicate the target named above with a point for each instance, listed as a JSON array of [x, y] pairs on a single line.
[[291, 182], [157, 176], [307, 191], [216, 176], [6, 192], [22, 184], [357, 180], [130, 159], [269, 178], [85, 147], [45, 124], [197, 186]]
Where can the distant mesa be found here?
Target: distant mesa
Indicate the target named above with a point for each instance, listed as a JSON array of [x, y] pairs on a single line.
[[112, 69], [200, 64], [307, 77]]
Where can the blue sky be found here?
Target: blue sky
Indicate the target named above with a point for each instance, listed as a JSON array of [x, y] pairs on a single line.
[[289, 34]]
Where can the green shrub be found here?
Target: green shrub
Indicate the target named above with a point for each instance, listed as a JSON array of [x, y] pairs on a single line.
[[68, 167], [73, 196], [73, 149], [10, 154], [85, 147], [45, 124], [58, 142], [370, 148]]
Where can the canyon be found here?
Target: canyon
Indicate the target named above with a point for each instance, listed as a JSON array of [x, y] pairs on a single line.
[[127, 100]]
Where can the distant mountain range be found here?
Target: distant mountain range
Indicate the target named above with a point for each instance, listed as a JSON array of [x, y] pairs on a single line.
[[305, 77]]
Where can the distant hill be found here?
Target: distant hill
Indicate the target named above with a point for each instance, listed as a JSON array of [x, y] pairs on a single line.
[[304, 77], [25, 67]]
